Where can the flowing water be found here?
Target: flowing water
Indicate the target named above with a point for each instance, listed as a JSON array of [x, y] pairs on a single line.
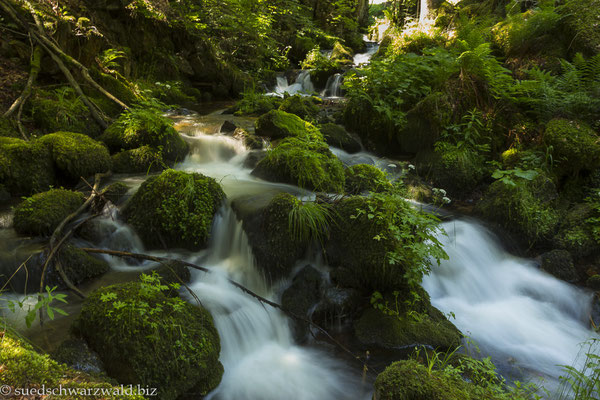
[[302, 85], [528, 320], [365, 58], [333, 88]]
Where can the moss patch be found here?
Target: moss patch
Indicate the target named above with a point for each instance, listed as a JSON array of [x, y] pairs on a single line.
[[278, 124], [41, 213], [337, 136], [141, 160], [574, 145], [306, 164], [304, 107], [175, 209], [76, 155], [25, 167], [365, 178], [79, 265]]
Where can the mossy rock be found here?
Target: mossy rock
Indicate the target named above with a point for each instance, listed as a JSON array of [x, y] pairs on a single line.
[[309, 165], [337, 136], [342, 55], [376, 130], [375, 328], [250, 140], [25, 167], [144, 159], [171, 272], [273, 243], [25, 368], [80, 266], [304, 107], [574, 234], [560, 264], [256, 105], [361, 240], [278, 124], [76, 354], [76, 155], [574, 145], [168, 344], [8, 128], [365, 178], [301, 296], [457, 170], [175, 209], [115, 192], [41, 213], [525, 208], [139, 127]]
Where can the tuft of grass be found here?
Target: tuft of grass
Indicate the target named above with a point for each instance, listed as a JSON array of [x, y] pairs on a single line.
[[310, 221]]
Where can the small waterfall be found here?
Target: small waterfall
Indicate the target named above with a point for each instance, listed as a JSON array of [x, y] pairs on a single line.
[[257, 350], [333, 88], [520, 315], [424, 11], [302, 85], [365, 58]]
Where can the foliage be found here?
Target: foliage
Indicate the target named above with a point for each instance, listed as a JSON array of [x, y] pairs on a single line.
[[61, 110], [44, 302], [41, 213], [256, 103], [304, 107], [310, 221], [321, 66], [366, 178], [575, 146], [175, 209], [508, 176], [308, 164], [144, 336], [582, 381]]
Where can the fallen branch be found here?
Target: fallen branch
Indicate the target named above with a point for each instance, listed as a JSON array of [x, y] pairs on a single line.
[[244, 289], [36, 58]]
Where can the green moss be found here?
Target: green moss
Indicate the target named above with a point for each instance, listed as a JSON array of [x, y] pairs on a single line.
[[575, 146], [76, 155], [143, 159], [455, 169], [365, 178], [337, 136], [306, 164], [341, 55], [41, 213], [145, 337], [304, 107], [175, 209], [376, 130], [278, 124], [321, 67], [524, 208], [23, 367], [391, 331], [115, 192], [579, 18], [253, 103], [8, 128], [140, 127], [25, 167], [80, 266], [574, 234]]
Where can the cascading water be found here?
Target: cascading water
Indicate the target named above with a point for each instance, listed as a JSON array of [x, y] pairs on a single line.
[[260, 359], [365, 58], [424, 11], [333, 88], [522, 316], [302, 85]]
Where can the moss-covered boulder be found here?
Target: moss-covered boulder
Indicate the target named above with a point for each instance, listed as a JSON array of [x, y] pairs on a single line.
[[457, 170], [560, 264], [574, 145], [141, 160], [25, 167], [268, 227], [25, 368], [76, 155], [431, 328], [41, 213], [365, 178], [310, 165], [145, 337], [575, 234], [175, 209], [80, 266], [337, 136], [139, 127], [278, 124], [372, 245], [525, 208], [341, 55], [76, 354], [304, 107]]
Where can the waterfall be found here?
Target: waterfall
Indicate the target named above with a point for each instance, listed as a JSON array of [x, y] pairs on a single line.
[[302, 85], [522, 316], [333, 88], [257, 349], [424, 11]]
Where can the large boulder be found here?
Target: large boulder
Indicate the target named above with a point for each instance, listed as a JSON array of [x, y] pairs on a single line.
[[145, 127], [76, 155], [175, 209], [574, 145], [80, 266], [277, 124], [310, 165], [337, 136], [304, 107], [574, 232], [144, 159], [560, 264], [145, 337], [25, 167], [41, 213]]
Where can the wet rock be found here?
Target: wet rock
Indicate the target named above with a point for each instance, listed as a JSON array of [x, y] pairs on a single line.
[[337, 305], [228, 128], [76, 354], [301, 296], [337, 136], [560, 264]]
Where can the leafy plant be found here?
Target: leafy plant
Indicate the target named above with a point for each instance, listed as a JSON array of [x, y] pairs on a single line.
[[582, 382], [508, 176]]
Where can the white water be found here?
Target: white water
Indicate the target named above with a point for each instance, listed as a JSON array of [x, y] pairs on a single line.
[[522, 316], [424, 11], [365, 58], [333, 88], [302, 85]]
